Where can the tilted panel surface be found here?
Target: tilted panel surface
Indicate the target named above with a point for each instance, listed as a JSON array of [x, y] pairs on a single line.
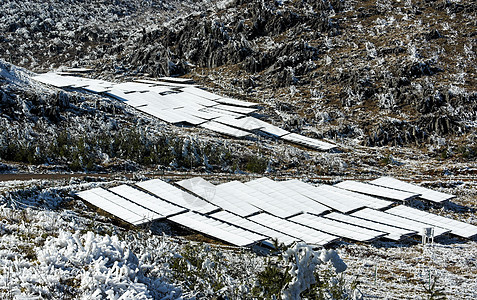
[[176, 196], [324, 195], [309, 142], [109, 204], [230, 101], [290, 197], [308, 235], [393, 233], [338, 228], [458, 228], [137, 209], [255, 227], [374, 190], [426, 193], [258, 199], [367, 201], [144, 199], [217, 229], [219, 195], [224, 129], [393, 220]]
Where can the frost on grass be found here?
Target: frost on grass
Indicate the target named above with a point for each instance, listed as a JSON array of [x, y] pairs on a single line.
[[51, 254]]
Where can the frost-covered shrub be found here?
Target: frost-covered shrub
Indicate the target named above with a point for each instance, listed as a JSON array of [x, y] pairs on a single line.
[[301, 272]]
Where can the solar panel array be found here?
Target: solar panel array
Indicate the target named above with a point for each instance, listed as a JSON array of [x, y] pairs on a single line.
[[177, 101], [263, 210], [425, 193]]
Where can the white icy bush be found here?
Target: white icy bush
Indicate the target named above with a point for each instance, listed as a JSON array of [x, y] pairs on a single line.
[[303, 263], [104, 266]]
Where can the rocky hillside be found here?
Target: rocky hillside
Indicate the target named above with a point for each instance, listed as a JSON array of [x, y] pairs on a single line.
[[361, 73], [339, 64]]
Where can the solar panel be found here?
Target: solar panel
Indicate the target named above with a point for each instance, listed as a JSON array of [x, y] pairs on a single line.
[[197, 112], [257, 198], [224, 129], [189, 99], [218, 229], [307, 141], [271, 129], [128, 87], [94, 85], [176, 196], [132, 99], [56, 80], [176, 80], [118, 206], [230, 101], [201, 93], [171, 115], [393, 220], [150, 202], [253, 226], [219, 195], [367, 201], [152, 99], [340, 229], [393, 233], [425, 193], [306, 234], [458, 228], [223, 113], [237, 109], [290, 199], [165, 83], [162, 90], [374, 190], [325, 195], [246, 123]]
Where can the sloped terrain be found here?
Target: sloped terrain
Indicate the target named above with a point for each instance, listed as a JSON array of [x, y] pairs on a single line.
[[392, 83], [360, 73], [335, 65]]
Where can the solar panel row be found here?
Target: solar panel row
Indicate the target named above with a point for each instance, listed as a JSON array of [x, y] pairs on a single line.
[[396, 221], [392, 232], [425, 193], [308, 235], [458, 228], [337, 228], [218, 229], [370, 189], [118, 206]]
